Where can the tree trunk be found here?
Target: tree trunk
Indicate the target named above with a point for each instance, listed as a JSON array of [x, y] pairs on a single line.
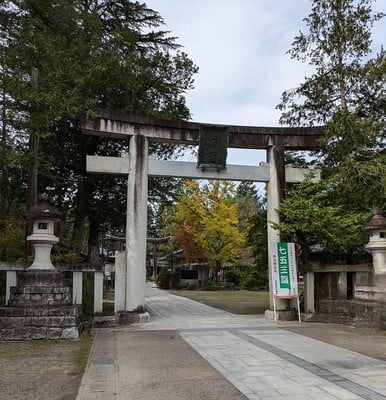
[[32, 174], [80, 214], [216, 271], [32, 183], [93, 239], [4, 118]]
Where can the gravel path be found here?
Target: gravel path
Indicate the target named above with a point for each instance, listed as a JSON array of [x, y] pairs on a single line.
[[41, 370]]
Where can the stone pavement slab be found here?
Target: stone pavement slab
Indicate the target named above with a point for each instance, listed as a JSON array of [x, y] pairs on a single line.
[[258, 357], [141, 365]]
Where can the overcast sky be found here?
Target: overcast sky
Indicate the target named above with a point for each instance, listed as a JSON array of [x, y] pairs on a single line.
[[240, 48]]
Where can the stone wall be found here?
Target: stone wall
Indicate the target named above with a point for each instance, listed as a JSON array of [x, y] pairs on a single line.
[[352, 312], [331, 285], [349, 294], [26, 323]]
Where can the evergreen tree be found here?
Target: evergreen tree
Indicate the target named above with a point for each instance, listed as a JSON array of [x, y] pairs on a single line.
[[346, 94], [247, 201], [89, 55], [337, 45]]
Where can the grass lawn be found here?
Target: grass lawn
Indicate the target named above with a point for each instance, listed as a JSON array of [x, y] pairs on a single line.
[[234, 301]]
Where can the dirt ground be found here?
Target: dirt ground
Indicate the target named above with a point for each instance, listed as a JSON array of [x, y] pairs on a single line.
[[42, 370]]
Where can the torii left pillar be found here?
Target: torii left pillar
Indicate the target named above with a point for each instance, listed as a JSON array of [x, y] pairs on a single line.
[[136, 223]]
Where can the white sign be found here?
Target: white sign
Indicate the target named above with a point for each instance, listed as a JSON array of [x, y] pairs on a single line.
[[284, 272]]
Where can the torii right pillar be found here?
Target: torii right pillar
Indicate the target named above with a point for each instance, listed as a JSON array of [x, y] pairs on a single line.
[[275, 194]]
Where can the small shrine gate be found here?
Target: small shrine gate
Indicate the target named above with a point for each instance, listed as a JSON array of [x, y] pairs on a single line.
[[138, 166]]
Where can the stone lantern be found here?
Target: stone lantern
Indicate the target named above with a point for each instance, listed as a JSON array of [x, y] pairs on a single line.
[[44, 215], [40, 305], [377, 242], [42, 284]]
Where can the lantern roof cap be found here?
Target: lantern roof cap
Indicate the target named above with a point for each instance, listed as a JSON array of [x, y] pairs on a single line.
[[377, 221], [44, 209]]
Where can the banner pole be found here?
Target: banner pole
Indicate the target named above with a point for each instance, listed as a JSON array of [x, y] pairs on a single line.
[[300, 318], [274, 309]]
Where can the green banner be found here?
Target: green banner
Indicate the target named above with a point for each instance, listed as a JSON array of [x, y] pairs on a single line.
[[283, 266]]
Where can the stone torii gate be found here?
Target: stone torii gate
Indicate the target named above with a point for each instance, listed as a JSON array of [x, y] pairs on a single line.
[[138, 166]]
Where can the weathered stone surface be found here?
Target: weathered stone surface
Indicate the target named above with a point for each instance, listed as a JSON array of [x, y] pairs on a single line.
[[40, 299], [357, 313], [70, 333], [69, 321], [34, 321], [39, 289], [28, 323], [17, 333], [281, 315], [38, 333], [126, 318], [54, 333], [41, 278]]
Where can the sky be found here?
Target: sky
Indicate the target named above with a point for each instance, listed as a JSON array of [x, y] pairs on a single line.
[[240, 48]]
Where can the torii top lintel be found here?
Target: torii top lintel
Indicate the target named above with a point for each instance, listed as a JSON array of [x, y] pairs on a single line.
[[120, 125]]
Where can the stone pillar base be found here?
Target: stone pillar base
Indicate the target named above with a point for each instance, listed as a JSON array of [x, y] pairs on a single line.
[[281, 315], [127, 318], [36, 323], [40, 288]]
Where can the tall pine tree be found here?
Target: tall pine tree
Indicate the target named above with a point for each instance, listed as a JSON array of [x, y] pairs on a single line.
[[88, 55], [345, 93]]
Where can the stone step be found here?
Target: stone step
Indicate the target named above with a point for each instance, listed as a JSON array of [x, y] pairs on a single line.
[[104, 321], [328, 318]]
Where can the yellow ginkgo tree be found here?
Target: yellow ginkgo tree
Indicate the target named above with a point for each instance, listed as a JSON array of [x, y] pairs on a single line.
[[206, 223]]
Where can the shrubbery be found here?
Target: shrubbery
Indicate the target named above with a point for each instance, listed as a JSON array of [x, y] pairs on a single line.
[[186, 286], [249, 277], [163, 279], [246, 277], [12, 239]]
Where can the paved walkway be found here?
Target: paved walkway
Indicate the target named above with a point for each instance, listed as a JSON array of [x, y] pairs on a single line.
[[261, 360]]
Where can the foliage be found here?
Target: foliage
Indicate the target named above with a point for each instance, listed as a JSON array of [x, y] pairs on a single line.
[[81, 355], [336, 45], [255, 277], [108, 308], [356, 161], [310, 221], [247, 201], [248, 277], [257, 239], [12, 240], [347, 94], [211, 286], [206, 223], [163, 279], [63, 255], [233, 277], [186, 286], [61, 61]]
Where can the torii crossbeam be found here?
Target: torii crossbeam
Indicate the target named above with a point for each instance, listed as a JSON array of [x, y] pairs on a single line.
[[138, 166]]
